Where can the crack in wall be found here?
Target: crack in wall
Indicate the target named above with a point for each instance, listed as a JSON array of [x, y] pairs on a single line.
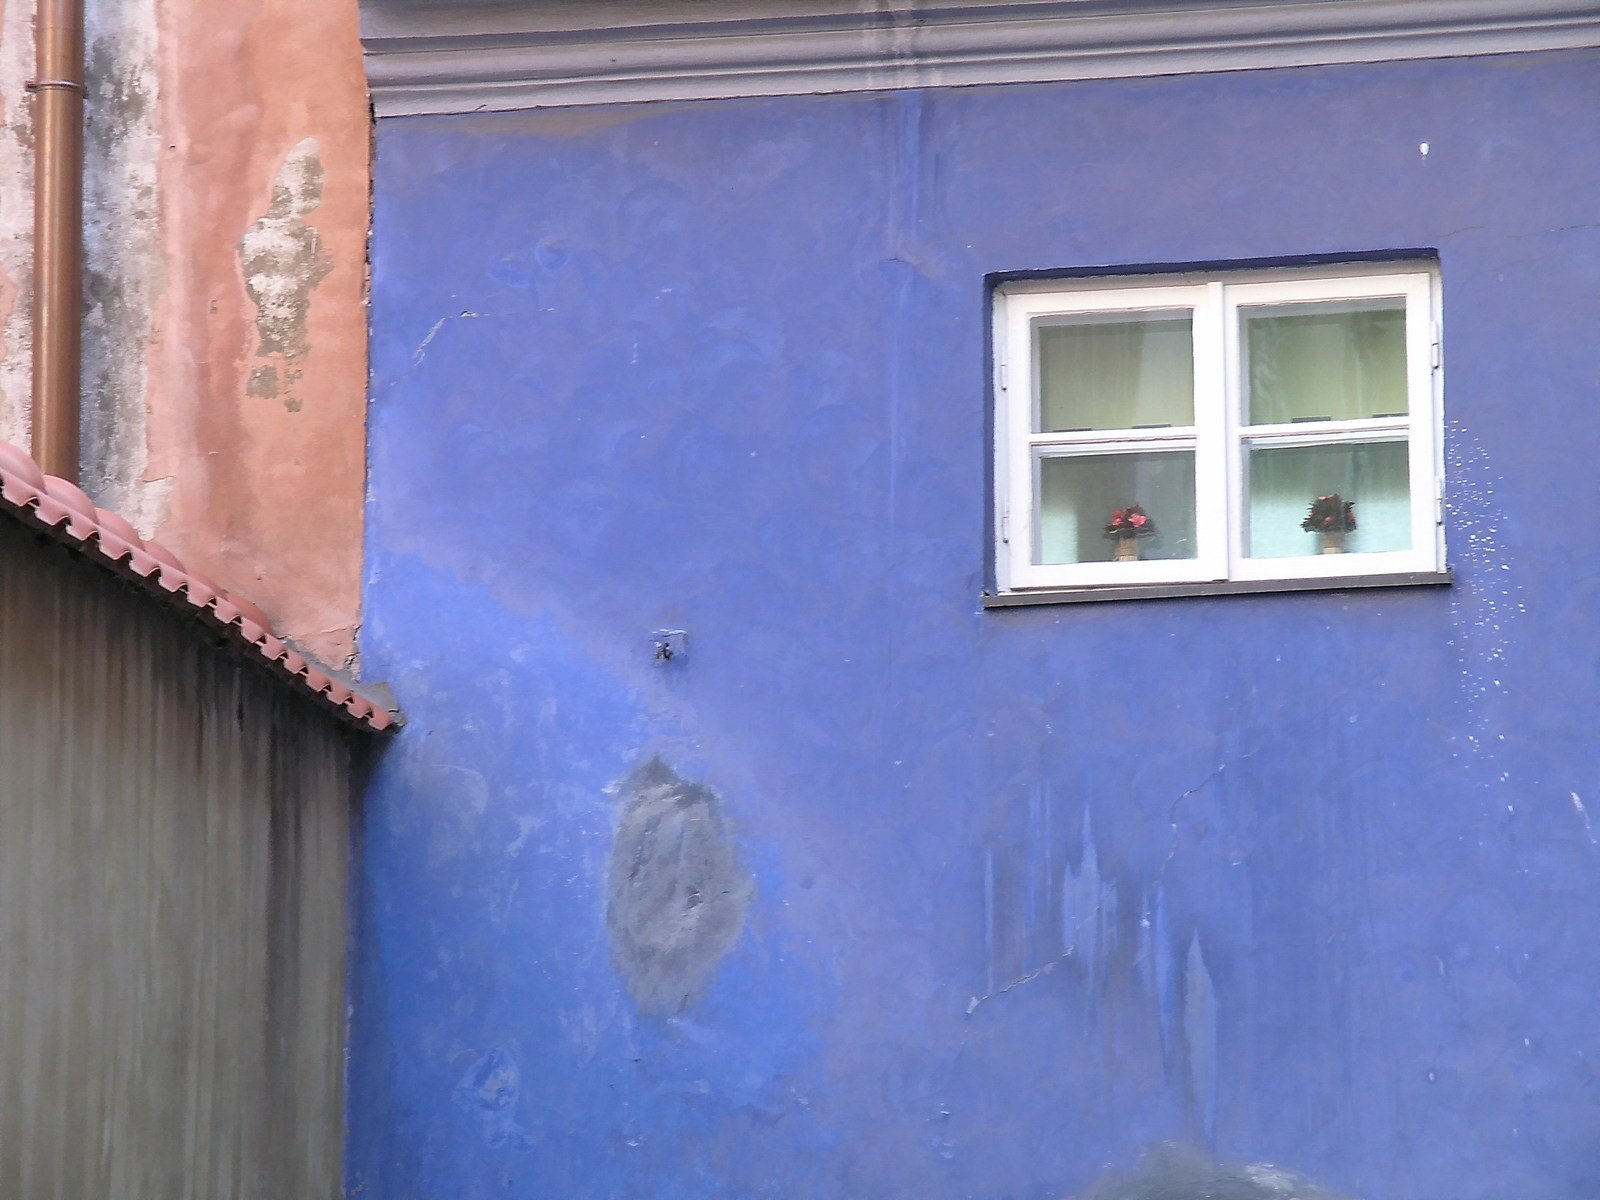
[[1037, 973], [1172, 813]]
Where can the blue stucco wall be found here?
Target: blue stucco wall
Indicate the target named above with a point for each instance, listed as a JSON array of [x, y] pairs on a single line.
[[1299, 879]]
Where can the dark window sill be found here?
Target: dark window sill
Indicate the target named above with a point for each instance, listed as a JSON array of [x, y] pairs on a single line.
[[1170, 591]]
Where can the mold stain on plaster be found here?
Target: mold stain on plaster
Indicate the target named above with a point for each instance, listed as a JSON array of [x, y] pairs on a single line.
[[122, 259], [16, 218], [1176, 1172], [283, 261], [678, 893]]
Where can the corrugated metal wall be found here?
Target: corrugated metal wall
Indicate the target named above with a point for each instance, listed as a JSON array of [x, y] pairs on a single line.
[[173, 855]]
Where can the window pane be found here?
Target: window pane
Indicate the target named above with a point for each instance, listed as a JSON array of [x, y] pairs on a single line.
[[1285, 482], [1337, 361], [1078, 493], [1115, 371]]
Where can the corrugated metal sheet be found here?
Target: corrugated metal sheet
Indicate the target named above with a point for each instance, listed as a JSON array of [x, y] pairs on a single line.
[[173, 863]]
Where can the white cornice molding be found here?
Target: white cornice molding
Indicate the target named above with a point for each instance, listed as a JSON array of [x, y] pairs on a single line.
[[451, 56]]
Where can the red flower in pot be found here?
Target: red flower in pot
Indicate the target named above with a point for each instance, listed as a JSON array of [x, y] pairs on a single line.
[[1125, 525]]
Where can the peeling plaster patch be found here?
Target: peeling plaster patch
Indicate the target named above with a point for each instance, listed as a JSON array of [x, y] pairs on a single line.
[[677, 893], [283, 261], [155, 504], [16, 219], [122, 258], [1174, 1172], [264, 383]]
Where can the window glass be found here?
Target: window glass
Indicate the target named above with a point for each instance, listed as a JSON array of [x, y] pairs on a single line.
[[1273, 426], [1286, 481], [1078, 494], [1328, 361], [1115, 371]]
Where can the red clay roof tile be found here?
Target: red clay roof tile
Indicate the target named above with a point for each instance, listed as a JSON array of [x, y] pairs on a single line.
[[64, 512]]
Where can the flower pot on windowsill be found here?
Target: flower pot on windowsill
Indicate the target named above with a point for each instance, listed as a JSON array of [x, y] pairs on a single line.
[[1125, 528], [1330, 518]]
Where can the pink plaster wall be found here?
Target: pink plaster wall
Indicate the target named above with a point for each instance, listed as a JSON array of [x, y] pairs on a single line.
[[227, 206], [264, 436]]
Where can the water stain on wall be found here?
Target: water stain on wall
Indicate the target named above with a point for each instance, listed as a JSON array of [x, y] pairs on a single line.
[[677, 890], [1177, 1172], [283, 261], [1106, 926], [1200, 1035]]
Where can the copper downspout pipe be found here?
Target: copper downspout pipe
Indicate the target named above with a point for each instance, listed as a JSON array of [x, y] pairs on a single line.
[[58, 235]]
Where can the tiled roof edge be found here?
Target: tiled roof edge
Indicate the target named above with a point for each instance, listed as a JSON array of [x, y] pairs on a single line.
[[65, 513]]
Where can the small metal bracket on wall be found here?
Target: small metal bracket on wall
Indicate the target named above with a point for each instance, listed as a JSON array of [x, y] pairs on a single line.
[[668, 645]]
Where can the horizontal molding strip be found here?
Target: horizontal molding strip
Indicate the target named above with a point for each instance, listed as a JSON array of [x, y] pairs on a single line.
[[453, 56], [1231, 587]]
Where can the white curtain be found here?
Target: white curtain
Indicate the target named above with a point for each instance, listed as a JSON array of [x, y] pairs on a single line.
[[1110, 372]]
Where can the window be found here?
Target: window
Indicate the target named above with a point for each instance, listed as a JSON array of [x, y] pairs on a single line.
[[1250, 427]]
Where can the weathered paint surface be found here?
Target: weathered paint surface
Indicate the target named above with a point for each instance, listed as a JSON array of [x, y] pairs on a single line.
[[282, 259], [226, 205], [173, 896], [16, 216], [1304, 880], [122, 259], [267, 484]]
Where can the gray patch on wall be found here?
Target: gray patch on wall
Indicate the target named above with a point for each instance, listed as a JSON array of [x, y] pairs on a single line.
[[1175, 1172], [678, 892], [283, 261]]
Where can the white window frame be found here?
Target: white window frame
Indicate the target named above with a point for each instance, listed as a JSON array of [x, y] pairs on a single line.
[[1220, 436]]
